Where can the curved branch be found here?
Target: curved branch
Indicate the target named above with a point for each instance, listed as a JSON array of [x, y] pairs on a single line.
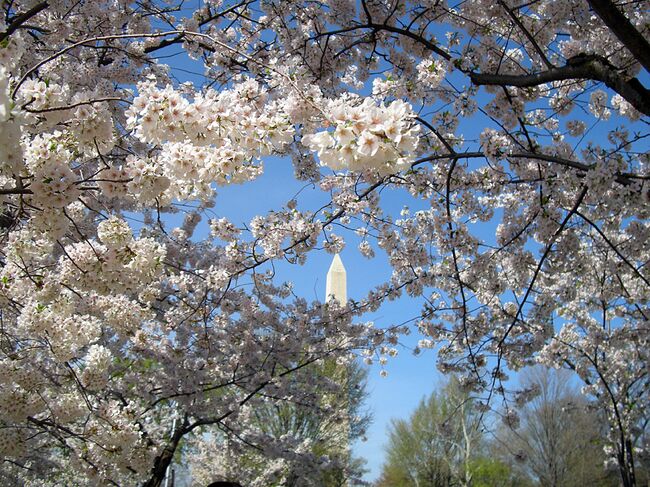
[[74, 105], [166, 456], [621, 178], [87, 42], [540, 264], [181, 37], [594, 68], [528, 35], [614, 247], [407, 33]]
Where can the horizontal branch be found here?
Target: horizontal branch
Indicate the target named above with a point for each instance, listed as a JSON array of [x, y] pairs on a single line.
[[73, 105], [621, 178], [5, 191], [88, 42], [407, 33], [593, 68]]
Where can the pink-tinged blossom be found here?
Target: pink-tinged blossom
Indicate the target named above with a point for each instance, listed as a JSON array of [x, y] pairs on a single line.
[[380, 138], [122, 316]]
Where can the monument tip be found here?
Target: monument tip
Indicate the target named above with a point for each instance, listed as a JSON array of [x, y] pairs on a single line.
[[337, 264]]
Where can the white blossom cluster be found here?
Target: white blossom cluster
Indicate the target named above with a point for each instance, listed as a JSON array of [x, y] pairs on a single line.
[[122, 314], [10, 128], [214, 138], [367, 136], [431, 73]]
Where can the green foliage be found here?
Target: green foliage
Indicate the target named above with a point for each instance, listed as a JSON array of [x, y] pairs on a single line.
[[559, 442], [489, 472], [435, 447]]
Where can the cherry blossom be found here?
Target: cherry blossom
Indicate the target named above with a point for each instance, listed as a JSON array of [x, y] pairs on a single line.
[[134, 312]]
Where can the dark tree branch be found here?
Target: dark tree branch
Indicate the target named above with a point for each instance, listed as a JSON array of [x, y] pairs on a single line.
[[528, 35], [5, 191], [74, 105], [623, 29], [621, 178], [407, 33], [165, 458], [614, 247], [580, 67], [181, 37], [20, 19], [540, 264]]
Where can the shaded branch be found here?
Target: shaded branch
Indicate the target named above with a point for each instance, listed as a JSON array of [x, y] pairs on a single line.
[[614, 247], [540, 264], [621, 178], [528, 35], [624, 30], [165, 458], [5, 191], [594, 68], [19, 20], [74, 105], [407, 33]]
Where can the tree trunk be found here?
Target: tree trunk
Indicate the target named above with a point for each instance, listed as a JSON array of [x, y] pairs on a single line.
[[165, 459], [626, 464]]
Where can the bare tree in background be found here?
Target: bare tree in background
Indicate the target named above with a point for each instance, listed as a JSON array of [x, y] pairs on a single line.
[[560, 439]]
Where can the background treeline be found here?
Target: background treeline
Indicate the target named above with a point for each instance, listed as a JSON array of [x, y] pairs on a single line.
[[554, 437]]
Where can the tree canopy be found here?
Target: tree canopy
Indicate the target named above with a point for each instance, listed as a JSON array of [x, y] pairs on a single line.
[[557, 442], [133, 313], [443, 444]]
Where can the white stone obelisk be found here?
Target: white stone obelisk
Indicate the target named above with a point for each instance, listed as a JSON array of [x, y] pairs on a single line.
[[336, 285]]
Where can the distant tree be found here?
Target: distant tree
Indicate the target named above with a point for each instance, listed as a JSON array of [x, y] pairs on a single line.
[[414, 456], [492, 472], [437, 446], [560, 438]]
